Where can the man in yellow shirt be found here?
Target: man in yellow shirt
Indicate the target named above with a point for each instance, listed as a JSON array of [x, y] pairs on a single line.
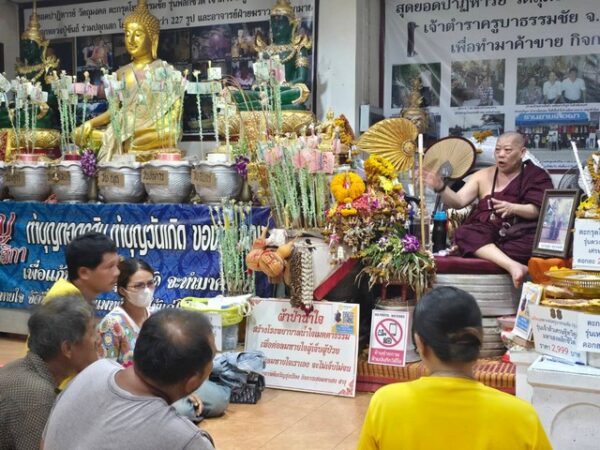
[[92, 265], [449, 409]]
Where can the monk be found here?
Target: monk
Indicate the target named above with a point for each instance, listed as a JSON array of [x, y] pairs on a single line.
[[502, 227]]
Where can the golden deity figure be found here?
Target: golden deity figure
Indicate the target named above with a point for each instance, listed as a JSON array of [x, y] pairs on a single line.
[[415, 112], [142, 130]]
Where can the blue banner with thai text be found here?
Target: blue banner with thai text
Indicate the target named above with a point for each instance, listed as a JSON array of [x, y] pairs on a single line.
[[179, 241]]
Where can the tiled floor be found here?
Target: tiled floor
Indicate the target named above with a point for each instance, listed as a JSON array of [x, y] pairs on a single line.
[[280, 420]]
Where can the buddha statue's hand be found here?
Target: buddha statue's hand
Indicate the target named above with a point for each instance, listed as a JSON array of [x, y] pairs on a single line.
[[82, 133], [44, 108]]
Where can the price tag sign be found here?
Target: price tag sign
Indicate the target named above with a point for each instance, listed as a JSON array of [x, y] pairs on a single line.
[[111, 178], [555, 333], [203, 179], [15, 179], [156, 177], [60, 177]]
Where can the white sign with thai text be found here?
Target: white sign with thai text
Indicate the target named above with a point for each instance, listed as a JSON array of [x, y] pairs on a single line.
[[588, 333], [314, 352], [555, 333], [85, 19], [389, 331], [586, 244]]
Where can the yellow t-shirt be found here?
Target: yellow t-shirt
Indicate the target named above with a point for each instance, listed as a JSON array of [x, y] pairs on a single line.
[[434, 413], [59, 288]]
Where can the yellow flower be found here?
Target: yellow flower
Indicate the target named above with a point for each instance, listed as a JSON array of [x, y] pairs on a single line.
[[377, 166], [347, 187], [348, 212]]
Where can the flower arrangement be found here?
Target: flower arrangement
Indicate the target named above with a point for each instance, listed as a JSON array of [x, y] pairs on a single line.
[[372, 221], [396, 256], [347, 187], [362, 211]]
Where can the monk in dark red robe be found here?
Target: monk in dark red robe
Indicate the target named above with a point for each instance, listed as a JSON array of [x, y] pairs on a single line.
[[502, 228]]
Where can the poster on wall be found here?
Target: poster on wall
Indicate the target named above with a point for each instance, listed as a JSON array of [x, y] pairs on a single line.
[[194, 34], [526, 65]]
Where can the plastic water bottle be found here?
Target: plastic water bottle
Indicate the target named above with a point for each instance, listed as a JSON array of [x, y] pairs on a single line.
[[439, 231]]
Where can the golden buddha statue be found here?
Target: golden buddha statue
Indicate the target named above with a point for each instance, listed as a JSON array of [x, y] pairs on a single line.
[[142, 132], [415, 112]]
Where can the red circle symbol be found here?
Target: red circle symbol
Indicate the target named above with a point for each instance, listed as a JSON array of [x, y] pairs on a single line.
[[388, 333]]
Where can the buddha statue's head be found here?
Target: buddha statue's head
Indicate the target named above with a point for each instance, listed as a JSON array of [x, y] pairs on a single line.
[[283, 22], [141, 32]]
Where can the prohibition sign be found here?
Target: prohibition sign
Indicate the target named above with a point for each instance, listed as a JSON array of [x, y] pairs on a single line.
[[388, 333]]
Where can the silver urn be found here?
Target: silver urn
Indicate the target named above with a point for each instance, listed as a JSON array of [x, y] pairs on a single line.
[[120, 182], [32, 184], [167, 181], [68, 182], [215, 182]]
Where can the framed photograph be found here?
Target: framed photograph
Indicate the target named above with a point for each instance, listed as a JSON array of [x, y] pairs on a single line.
[[553, 236], [530, 295]]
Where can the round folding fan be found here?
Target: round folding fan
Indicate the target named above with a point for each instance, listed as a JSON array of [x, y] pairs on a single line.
[[451, 157], [394, 139]]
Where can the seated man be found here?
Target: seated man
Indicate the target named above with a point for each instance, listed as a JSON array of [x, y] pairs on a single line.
[[61, 343], [109, 407], [502, 228], [92, 266]]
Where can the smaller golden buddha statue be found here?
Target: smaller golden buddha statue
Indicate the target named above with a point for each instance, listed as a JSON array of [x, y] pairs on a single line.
[[415, 112], [142, 130]]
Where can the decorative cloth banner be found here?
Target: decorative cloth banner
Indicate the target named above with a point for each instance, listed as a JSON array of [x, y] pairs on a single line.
[[178, 241]]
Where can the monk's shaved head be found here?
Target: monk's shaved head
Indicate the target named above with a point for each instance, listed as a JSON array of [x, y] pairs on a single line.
[[516, 138]]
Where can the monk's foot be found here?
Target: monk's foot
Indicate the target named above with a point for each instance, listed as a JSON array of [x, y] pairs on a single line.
[[518, 272]]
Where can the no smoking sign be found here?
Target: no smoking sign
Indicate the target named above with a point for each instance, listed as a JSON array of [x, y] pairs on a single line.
[[388, 338]]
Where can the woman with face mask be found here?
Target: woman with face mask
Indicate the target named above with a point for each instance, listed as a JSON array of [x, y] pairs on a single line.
[[119, 330]]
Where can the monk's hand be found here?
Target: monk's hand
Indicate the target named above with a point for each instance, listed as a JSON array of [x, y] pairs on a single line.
[[502, 208], [433, 180]]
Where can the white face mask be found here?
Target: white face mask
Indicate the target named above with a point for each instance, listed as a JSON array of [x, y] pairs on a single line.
[[143, 299]]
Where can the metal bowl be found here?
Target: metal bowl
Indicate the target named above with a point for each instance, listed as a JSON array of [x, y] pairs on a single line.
[[74, 190], [223, 183], [178, 184], [36, 187], [130, 188]]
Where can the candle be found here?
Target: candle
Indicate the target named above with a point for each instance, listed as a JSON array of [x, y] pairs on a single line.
[[583, 177], [421, 191]]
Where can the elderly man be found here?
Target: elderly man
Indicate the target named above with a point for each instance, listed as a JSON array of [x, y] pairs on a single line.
[[502, 228], [61, 343], [109, 407]]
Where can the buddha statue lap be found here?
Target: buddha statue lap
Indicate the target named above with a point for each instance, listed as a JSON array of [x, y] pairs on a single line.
[[142, 131]]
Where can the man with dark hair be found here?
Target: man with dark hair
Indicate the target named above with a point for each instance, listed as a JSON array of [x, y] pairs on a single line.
[[61, 343], [112, 408], [92, 266]]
